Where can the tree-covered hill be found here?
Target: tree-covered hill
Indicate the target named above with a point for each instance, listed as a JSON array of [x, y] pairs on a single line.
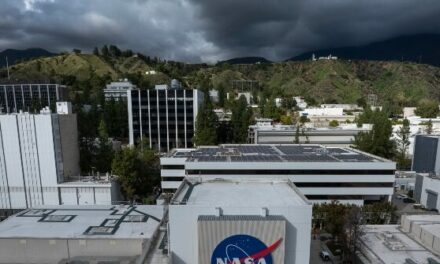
[[395, 83]]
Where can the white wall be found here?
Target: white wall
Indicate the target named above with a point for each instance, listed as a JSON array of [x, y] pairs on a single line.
[[183, 230]]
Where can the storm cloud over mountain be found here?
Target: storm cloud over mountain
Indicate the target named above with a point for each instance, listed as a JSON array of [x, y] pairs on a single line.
[[211, 30]]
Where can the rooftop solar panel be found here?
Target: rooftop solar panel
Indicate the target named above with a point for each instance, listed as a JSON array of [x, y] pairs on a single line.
[[211, 159], [292, 150], [265, 158], [256, 149], [353, 157], [308, 158]]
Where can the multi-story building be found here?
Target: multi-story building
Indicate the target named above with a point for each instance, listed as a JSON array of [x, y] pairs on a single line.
[[30, 97], [118, 90], [39, 163], [426, 155], [322, 174], [234, 221], [165, 117], [285, 134]]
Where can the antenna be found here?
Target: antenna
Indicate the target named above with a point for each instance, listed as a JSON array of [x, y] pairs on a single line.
[[7, 67]]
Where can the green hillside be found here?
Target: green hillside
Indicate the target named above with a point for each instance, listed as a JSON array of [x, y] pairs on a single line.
[[396, 83]]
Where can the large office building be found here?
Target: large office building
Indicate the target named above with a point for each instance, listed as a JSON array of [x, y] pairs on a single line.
[[29, 97], [164, 117], [239, 221], [321, 173], [426, 156], [118, 90], [39, 163], [80, 234], [286, 134]]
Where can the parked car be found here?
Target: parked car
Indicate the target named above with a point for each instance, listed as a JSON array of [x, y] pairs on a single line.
[[402, 196], [408, 200], [324, 255]]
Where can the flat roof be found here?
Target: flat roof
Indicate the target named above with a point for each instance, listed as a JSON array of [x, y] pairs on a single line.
[[239, 193], [83, 222], [390, 245], [274, 153]]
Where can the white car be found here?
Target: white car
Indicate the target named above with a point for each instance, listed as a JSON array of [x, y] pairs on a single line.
[[324, 255]]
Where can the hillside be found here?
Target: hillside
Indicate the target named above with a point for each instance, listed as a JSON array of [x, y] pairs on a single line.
[[81, 66], [395, 83], [336, 81], [416, 48]]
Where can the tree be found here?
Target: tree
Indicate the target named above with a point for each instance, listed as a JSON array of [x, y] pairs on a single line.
[[403, 144], [427, 108], [303, 119], [104, 154], [240, 120], [333, 123], [76, 51], [286, 120], [353, 225], [288, 103], [206, 124], [271, 110], [429, 127], [377, 141], [221, 95], [96, 51], [361, 102], [297, 134], [137, 170], [104, 51], [114, 51]]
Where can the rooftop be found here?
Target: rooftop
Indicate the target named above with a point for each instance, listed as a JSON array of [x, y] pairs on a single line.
[[390, 245], [113, 222], [236, 193], [274, 153]]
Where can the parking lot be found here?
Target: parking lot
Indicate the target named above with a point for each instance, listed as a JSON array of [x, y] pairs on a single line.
[[315, 248]]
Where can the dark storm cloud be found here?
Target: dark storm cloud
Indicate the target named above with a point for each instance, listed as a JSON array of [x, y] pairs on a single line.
[[210, 30]]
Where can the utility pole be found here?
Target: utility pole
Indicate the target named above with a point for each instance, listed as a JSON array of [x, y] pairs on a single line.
[[7, 67]]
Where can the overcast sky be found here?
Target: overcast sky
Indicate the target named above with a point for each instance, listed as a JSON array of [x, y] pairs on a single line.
[[211, 30]]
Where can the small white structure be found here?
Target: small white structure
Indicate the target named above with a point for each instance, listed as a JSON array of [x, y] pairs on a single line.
[[322, 112], [248, 214], [329, 57], [63, 234], [64, 108], [214, 96], [425, 229], [152, 72], [300, 102], [345, 107], [409, 112], [118, 90]]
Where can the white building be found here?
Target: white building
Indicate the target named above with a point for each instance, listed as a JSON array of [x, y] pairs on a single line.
[[118, 90], [206, 217], [322, 174], [79, 234], [334, 111], [39, 153], [345, 107], [342, 136], [416, 240], [300, 102], [427, 188]]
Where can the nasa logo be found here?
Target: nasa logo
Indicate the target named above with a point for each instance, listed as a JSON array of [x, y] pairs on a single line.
[[243, 249]]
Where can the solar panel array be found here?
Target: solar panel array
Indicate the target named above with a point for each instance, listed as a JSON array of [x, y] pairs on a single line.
[[255, 158], [211, 159], [299, 150], [257, 149], [274, 153], [309, 158]]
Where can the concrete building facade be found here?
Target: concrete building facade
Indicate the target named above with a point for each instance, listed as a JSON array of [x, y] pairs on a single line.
[[118, 90], [164, 117], [39, 160]]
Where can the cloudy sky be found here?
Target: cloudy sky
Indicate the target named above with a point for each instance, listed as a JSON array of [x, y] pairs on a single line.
[[211, 30]]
